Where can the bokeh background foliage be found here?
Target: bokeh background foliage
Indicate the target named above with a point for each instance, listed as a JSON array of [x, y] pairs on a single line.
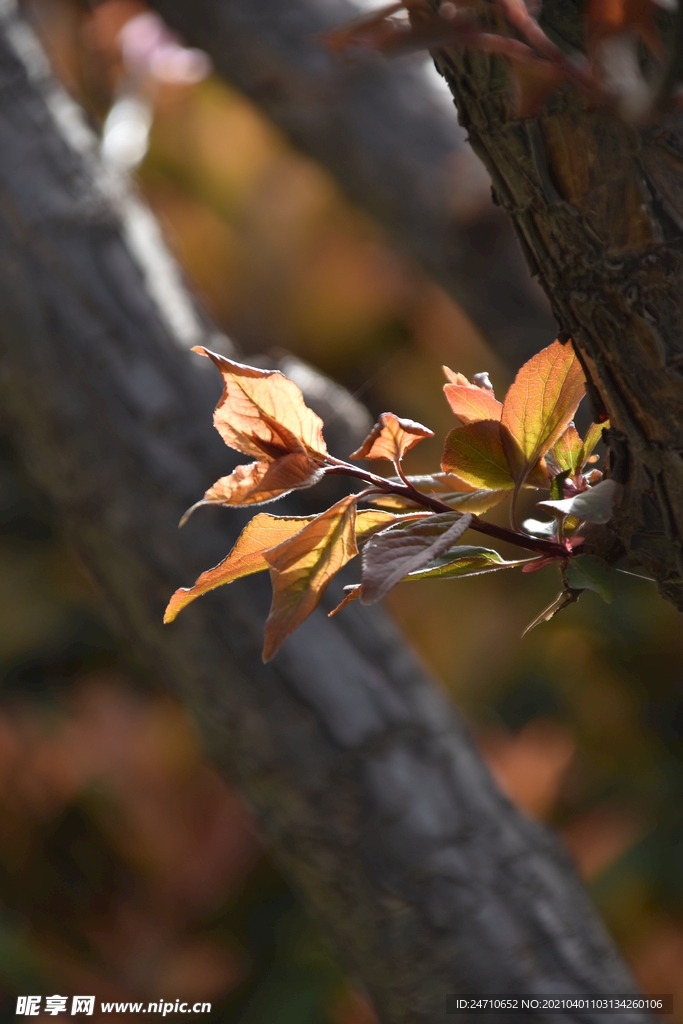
[[128, 867]]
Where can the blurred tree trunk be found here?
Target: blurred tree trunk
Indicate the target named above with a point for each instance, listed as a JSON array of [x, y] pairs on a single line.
[[390, 141], [366, 784], [597, 205]]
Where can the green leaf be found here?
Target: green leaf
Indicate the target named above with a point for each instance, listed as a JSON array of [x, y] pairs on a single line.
[[589, 572], [464, 561], [474, 453], [568, 450], [592, 437], [557, 486]]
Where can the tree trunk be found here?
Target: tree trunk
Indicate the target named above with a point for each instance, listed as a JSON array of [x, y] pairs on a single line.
[[366, 784], [598, 207]]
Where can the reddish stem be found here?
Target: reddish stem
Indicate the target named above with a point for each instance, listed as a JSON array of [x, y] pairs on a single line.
[[408, 490]]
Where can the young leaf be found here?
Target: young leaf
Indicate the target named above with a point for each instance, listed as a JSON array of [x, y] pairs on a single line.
[[350, 594], [259, 482], [394, 553], [591, 506], [471, 404], [474, 453], [391, 437], [247, 556], [557, 485], [539, 406], [568, 450], [588, 572], [567, 597], [592, 437], [262, 412], [464, 561], [456, 378], [538, 528], [302, 567]]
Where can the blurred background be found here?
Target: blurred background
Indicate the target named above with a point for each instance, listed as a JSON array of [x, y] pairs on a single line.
[[128, 867]]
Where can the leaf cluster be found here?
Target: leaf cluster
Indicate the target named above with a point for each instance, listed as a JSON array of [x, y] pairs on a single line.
[[412, 526]]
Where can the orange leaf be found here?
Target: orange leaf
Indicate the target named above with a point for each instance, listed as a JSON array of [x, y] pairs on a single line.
[[258, 482], [391, 437], [263, 413], [302, 567], [472, 404], [247, 557], [456, 378], [474, 453], [539, 406]]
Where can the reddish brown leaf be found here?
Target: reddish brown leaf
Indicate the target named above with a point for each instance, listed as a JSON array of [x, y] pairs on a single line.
[[474, 453], [302, 567], [539, 406], [391, 437], [472, 404], [394, 553], [247, 556], [263, 413]]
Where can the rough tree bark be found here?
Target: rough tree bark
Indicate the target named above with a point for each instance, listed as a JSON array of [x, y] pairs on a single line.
[[392, 146], [598, 207], [365, 782]]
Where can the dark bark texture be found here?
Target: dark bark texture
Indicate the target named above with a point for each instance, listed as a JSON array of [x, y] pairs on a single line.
[[365, 782], [393, 146], [598, 207]]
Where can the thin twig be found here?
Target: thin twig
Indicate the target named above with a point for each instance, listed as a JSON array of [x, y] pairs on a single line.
[[384, 486]]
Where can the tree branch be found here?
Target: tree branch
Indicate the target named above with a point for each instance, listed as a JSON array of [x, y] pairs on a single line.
[[365, 782]]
